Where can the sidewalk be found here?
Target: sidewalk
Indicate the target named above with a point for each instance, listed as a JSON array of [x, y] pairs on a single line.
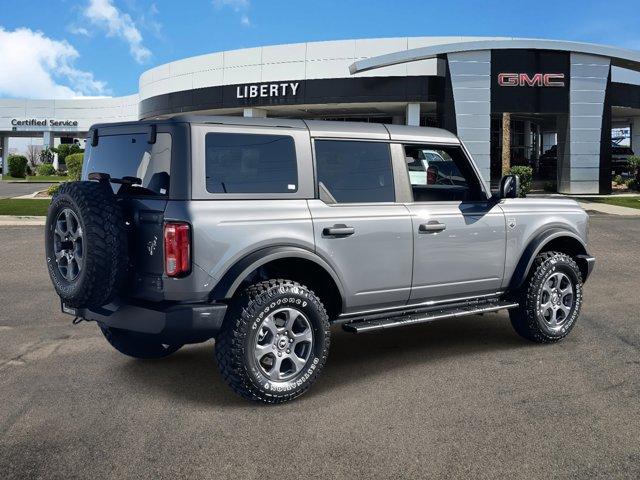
[[13, 221], [608, 209], [595, 206]]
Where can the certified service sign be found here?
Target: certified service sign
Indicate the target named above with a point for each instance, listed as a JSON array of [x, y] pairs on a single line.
[[46, 122]]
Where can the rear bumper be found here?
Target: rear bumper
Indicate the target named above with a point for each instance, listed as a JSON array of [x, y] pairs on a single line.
[[182, 322], [586, 264]]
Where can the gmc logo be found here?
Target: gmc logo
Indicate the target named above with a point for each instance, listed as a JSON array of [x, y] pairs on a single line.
[[536, 80]]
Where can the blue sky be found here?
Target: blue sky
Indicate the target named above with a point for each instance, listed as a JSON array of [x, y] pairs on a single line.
[[65, 48]]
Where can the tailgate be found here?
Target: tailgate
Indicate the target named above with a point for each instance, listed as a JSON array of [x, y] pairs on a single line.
[[145, 219]]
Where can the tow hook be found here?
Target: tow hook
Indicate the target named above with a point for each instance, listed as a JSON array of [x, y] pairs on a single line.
[[78, 320]]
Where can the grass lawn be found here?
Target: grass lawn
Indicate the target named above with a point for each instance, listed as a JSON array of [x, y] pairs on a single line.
[[632, 202], [37, 178], [24, 207]]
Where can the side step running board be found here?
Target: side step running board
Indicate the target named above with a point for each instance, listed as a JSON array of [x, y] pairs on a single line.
[[424, 317]]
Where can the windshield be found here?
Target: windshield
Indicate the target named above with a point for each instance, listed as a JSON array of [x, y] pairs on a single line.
[[132, 156]]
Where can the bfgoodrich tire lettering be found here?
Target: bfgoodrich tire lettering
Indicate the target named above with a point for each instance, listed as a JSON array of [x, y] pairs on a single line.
[[98, 218], [550, 300], [244, 330]]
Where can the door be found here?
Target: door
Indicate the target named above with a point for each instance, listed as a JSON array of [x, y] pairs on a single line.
[[459, 235], [358, 227]]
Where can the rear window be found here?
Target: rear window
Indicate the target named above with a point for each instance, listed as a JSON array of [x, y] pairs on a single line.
[[250, 163], [132, 156]]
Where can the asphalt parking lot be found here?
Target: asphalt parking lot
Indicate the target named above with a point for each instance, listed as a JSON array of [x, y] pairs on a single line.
[[464, 398], [15, 189]]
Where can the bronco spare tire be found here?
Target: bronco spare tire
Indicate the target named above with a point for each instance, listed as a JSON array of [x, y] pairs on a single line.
[[86, 244]]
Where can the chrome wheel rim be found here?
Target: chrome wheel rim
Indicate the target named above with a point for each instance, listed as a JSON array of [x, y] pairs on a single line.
[[68, 245], [556, 301], [283, 344]]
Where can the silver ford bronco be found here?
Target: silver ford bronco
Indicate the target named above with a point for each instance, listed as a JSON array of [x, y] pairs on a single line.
[[262, 233]]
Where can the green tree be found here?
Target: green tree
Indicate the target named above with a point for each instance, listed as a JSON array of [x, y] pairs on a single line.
[[65, 149], [634, 166], [74, 166], [46, 155], [526, 178]]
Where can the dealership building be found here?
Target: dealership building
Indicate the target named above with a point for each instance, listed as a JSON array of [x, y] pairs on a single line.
[[563, 98]]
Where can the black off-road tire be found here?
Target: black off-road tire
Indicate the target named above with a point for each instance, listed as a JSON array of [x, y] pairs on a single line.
[[104, 256], [137, 345], [527, 320], [235, 342]]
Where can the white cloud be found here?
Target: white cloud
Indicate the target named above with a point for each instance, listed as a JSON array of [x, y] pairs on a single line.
[[104, 14], [35, 66], [78, 30], [239, 6]]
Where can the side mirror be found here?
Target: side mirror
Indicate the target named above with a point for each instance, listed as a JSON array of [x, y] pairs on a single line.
[[509, 186]]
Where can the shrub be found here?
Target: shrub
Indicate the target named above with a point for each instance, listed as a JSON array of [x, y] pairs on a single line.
[[633, 184], [618, 180], [550, 187], [28, 170], [46, 169], [634, 166], [53, 189], [526, 177], [17, 165], [74, 166], [66, 149]]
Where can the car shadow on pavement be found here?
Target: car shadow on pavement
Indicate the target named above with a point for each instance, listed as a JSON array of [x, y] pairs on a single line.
[[191, 374]]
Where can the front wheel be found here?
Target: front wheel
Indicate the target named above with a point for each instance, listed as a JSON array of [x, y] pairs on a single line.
[[550, 300], [274, 341]]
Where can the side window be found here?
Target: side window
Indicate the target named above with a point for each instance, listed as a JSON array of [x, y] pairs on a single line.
[[250, 163], [440, 173], [354, 172]]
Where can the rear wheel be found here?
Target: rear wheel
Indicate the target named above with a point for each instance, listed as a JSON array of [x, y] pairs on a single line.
[[550, 300], [274, 341], [137, 345]]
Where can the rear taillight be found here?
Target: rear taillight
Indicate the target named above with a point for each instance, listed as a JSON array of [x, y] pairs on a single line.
[[177, 249]]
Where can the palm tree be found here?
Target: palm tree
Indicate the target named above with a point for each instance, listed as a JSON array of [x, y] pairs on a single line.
[[506, 142]]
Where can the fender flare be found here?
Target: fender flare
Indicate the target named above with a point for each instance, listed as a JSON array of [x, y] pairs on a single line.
[[232, 278], [534, 247]]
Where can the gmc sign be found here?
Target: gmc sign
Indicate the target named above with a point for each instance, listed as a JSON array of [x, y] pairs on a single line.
[[535, 80]]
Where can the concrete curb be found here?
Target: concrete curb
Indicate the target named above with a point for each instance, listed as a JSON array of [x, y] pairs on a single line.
[[30, 196], [610, 209], [15, 221]]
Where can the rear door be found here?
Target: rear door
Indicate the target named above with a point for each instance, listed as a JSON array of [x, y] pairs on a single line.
[[459, 234], [358, 226]]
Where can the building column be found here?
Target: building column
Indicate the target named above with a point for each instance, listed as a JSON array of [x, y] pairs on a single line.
[[635, 135], [587, 90], [254, 113], [48, 142], [413, 114], [471, 85], [4, 144]]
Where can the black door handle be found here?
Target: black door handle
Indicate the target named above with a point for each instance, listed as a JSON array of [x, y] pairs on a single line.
[[432, 226], [338, 231]]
